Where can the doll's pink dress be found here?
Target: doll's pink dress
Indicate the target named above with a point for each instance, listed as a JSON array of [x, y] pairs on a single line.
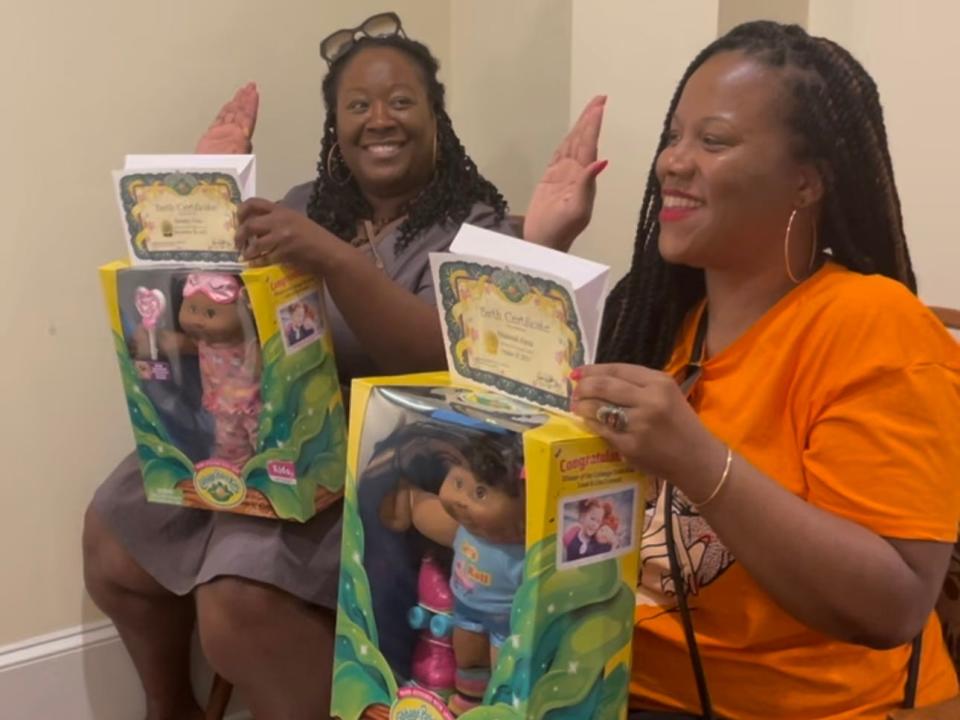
[[231, 393]]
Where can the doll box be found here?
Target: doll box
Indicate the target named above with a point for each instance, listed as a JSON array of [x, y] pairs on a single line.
[[231, 387], [555, 599]]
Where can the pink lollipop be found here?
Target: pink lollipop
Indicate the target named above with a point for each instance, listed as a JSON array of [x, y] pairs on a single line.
[[150, 304]]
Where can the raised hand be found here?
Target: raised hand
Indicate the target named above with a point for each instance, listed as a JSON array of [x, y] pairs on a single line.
[[562, 202], [232, 129]]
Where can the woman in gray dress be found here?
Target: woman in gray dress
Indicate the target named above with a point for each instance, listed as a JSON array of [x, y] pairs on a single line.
[[393, 184]]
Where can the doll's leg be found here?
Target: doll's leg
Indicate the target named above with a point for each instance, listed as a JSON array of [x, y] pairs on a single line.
[[251, 427], [154, 624], [232, 438], [499, 628], [472, 652], [472, 649]]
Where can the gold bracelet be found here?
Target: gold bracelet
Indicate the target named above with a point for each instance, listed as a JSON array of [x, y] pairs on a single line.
[[723, 479]]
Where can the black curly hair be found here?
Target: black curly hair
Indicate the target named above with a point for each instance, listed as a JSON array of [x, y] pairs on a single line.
[[837, 120], [449, 196]]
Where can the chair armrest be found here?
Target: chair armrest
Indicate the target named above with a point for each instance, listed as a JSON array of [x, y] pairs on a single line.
[[947, 710]]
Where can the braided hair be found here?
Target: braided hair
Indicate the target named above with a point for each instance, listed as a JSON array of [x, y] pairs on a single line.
[[451, 193], [835, 115]]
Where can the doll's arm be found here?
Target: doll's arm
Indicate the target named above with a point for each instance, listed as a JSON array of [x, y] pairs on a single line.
[[140, 344], [172, 343], [395, 513], [169, 343], [430, 517]]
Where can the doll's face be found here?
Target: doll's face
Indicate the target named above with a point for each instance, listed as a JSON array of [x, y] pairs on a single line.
[[203, 319], [591, 520], [487, 512]]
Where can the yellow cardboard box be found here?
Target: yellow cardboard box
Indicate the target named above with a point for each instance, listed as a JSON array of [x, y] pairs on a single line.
[[569, 619], [296, 426]]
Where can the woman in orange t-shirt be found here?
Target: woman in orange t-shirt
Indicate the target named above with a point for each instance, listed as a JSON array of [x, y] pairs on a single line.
[[767, 362]]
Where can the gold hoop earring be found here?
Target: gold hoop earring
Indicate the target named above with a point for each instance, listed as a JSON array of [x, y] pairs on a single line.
[[786, 250], [342, 180]]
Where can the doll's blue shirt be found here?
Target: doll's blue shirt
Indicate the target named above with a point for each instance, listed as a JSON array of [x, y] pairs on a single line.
[[486, 575]]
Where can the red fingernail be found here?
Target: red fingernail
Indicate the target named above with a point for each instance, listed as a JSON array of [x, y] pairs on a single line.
[[576, 373]]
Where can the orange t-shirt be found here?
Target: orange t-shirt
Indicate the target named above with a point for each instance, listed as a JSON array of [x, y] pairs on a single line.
[[847, 393]]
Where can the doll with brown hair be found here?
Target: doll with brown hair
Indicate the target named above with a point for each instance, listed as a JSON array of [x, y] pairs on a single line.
[[217, 327], [479, 512]]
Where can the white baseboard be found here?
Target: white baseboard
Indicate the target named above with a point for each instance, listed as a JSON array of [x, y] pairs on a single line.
[[80, 673]]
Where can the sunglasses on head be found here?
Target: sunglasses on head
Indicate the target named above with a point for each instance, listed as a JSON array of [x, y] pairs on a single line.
[[381, 25]]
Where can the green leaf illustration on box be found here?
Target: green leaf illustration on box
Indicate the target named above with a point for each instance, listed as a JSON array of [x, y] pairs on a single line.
[[615, 688], [164, 464], [565, 626], [302, 421], [357, 651]]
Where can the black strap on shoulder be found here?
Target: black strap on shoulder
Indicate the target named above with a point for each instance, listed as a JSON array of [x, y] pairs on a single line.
[[676, 573], [706, 707], [913, 673]]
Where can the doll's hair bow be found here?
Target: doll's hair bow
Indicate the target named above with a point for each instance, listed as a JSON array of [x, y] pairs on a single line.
[[219, 287]]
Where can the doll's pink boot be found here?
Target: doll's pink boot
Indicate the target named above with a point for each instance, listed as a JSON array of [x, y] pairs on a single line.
[[434, 667], [433, 587], [434, 600]]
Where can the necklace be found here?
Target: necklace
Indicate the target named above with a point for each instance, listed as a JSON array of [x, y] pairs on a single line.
[[380, 223]]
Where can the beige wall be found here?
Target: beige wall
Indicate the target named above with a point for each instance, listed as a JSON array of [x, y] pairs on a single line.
[[510, 87], [85, 83], [909, 48], [733, 12], [635, 52]]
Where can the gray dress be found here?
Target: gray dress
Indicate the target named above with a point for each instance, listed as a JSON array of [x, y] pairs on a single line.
[[183, 547]]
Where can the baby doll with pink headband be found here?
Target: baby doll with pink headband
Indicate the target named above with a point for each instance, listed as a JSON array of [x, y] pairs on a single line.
[[217, 327]]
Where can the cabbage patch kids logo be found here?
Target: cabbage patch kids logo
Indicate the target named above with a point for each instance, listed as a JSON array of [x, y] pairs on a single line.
[[418, 704], [219, 485]]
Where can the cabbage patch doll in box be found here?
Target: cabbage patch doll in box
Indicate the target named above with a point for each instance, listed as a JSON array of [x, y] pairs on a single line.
[[479, 512], [218, 328]]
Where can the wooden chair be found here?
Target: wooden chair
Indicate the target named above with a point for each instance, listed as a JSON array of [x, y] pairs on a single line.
[[948, 606], [220, 692], [948, 316]]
